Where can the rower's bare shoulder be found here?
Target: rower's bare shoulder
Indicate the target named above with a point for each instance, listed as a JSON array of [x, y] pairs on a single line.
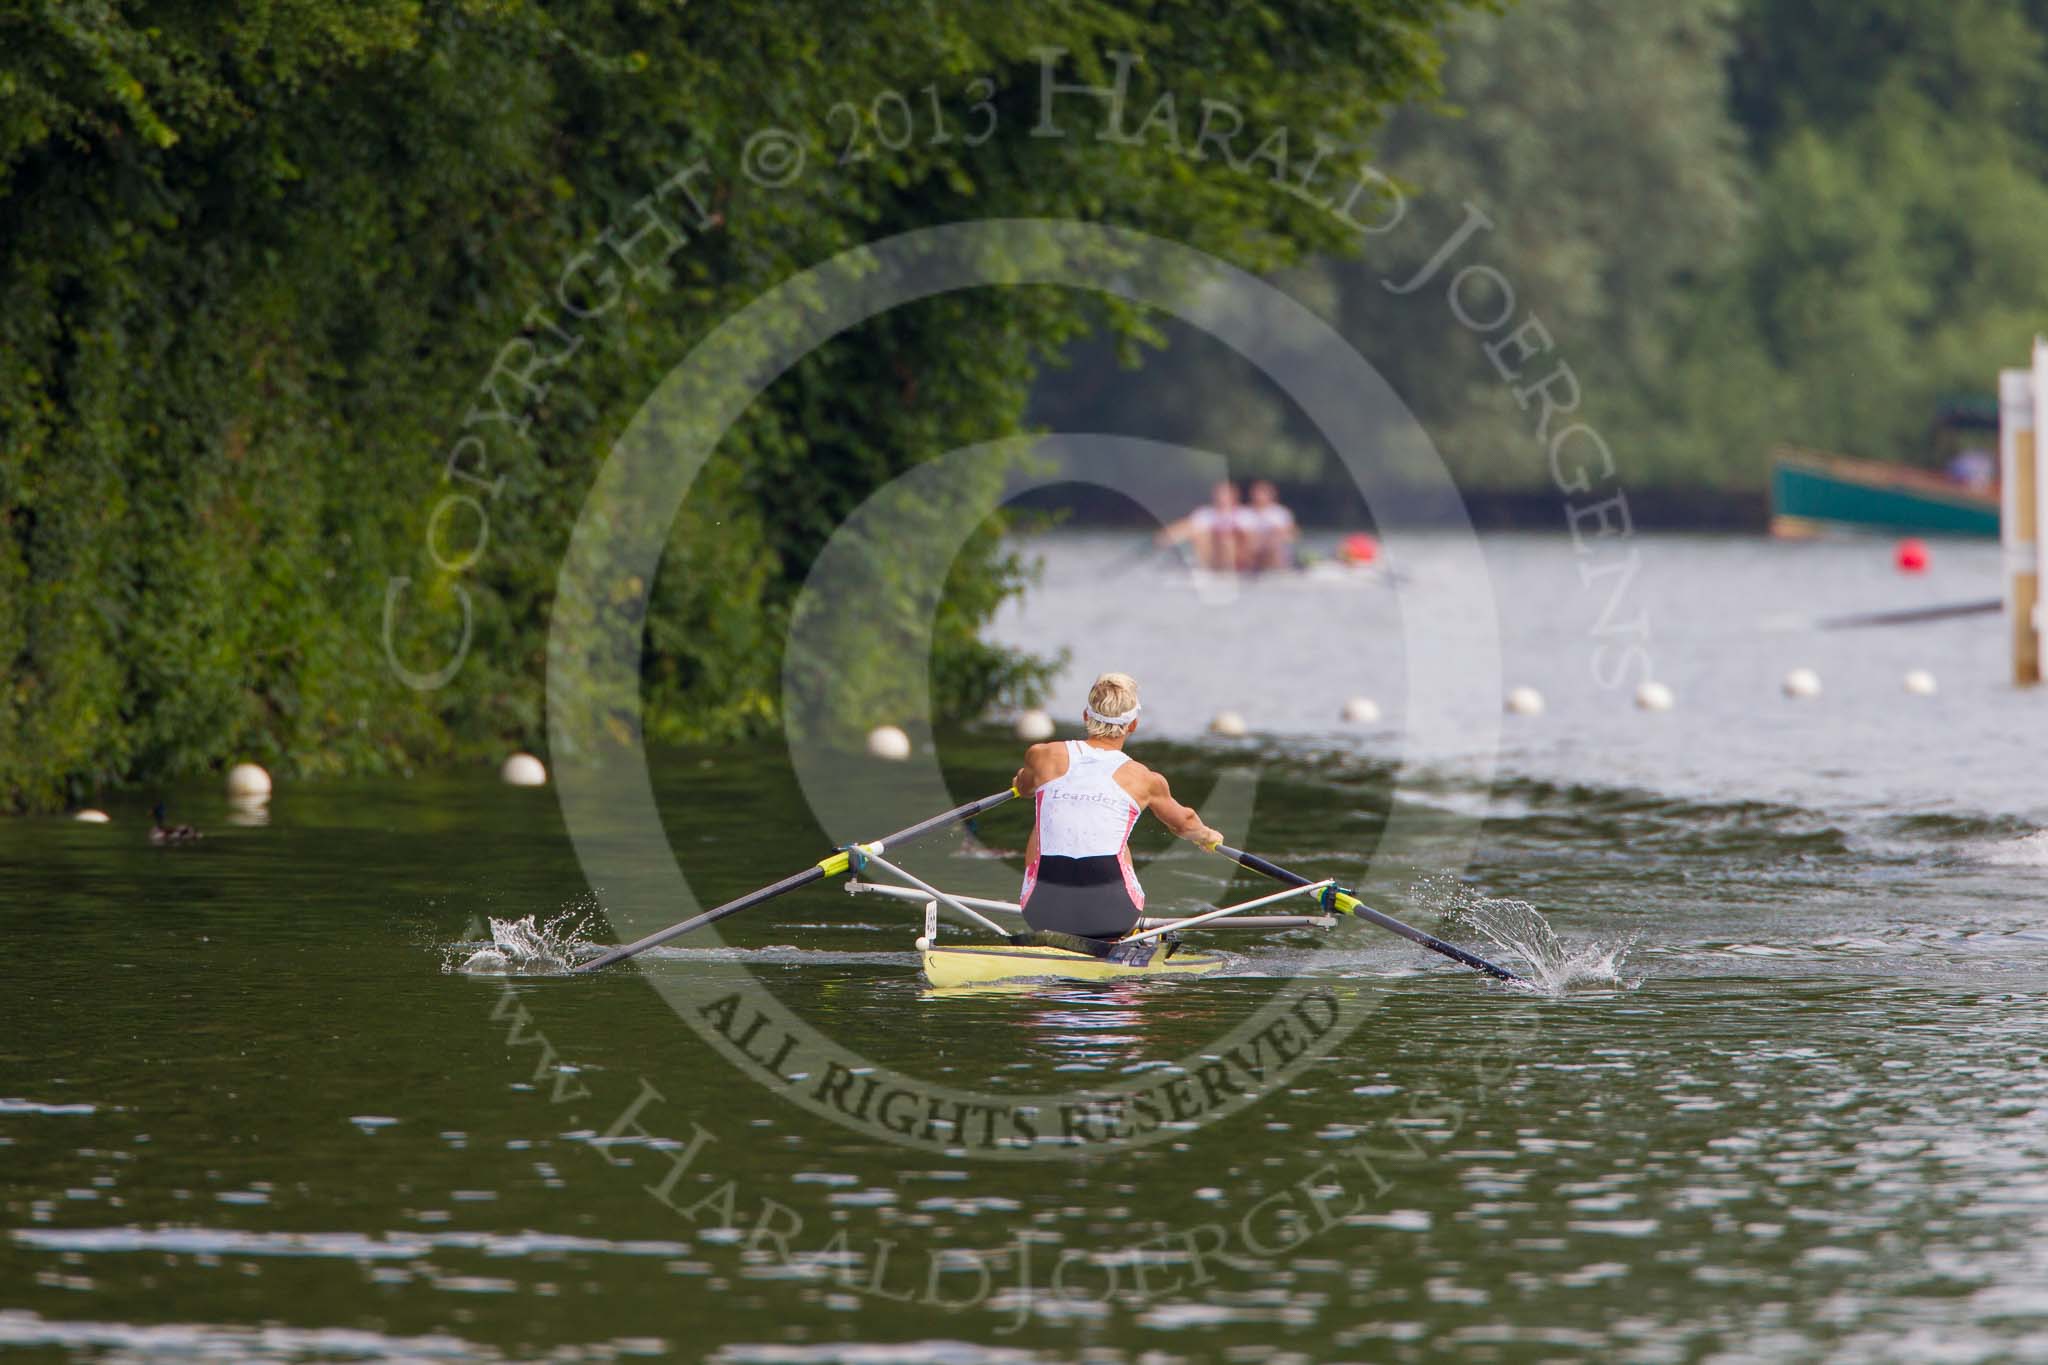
[[1140, 780], [1049, 758]]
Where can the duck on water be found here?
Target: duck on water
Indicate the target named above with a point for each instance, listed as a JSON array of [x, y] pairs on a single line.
[[160, 833]]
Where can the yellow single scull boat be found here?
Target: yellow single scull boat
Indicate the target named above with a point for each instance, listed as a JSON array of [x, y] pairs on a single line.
[[981, 964], [1146, 951], [1022, 957]]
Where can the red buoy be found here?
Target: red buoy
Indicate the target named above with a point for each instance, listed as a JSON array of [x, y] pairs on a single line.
[[1911, 555], [1359, 548]]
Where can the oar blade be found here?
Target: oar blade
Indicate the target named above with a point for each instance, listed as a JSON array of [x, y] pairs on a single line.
[[1350, 904], [788, 884]]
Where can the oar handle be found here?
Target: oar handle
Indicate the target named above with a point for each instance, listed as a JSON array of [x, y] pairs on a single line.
[[1264, 868], [952, 817], [831, 866], [1348, 903]]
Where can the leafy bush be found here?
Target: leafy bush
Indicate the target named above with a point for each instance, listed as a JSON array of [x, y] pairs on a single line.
[[257, 258]]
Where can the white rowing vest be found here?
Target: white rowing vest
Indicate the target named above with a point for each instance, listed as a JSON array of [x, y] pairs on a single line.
[[1085, 813]]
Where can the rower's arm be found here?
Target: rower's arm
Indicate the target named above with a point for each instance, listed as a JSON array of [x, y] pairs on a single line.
[[1182, 820], [1037, 769]]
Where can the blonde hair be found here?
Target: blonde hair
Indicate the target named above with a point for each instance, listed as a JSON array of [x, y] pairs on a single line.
[[1113, 694]]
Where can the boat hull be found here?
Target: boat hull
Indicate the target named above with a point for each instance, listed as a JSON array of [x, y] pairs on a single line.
[[1812, 493], [985, 963]]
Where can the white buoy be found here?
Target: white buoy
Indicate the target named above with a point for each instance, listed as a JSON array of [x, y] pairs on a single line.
[[923, 944], [524, 770], [1920, 683], [1525, 701], [1361, 711], [887, 741], [247, 782], [1229, 724], [90, 816], [1802, 683], [1654, 696], [1034, 726]]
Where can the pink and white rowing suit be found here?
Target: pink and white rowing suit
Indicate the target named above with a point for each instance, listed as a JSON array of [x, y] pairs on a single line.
[[1210, 519], [1082, 877]]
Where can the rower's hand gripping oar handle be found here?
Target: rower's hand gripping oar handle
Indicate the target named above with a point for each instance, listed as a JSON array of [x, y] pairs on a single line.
[[832, 866], [1344, 902]]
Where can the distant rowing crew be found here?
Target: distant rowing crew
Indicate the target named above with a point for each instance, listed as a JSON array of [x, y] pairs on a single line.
[[1259, 536], [1230, 535]]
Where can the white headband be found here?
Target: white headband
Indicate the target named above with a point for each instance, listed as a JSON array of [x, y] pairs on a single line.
[[1120, 722]]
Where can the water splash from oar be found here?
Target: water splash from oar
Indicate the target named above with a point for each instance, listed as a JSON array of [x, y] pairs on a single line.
[[1552, 963], [524, 947]]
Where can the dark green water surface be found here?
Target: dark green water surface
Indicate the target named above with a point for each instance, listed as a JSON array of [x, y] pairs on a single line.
[[248, 1113]]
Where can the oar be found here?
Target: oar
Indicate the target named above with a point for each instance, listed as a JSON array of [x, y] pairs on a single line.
[[1915, 615], [1346, 903], [827, 867], [1131, 559]]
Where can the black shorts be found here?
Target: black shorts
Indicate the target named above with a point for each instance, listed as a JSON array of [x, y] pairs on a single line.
[[1086, 896]]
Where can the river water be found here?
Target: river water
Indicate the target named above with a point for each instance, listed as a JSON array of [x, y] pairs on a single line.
[[1785, 1099]]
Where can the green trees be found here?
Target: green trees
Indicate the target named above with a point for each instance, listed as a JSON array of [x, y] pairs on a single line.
[[1743, 222], [1899, 206], [1592, 137], [257, 263]]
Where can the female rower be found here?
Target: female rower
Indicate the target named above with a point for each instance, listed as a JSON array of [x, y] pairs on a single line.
[[1089, 793]]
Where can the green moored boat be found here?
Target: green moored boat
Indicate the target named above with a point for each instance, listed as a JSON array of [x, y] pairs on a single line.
[[1812, 493]]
